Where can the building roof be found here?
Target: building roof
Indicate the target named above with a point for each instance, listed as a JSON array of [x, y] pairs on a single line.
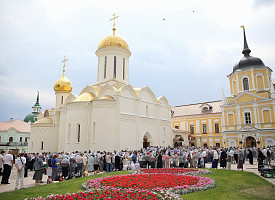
[[248, 61], [19, 125], [196, 109]]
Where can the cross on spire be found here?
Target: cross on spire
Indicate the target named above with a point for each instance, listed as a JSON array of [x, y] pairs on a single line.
[[64, 61], [114, 25], [246, 51]]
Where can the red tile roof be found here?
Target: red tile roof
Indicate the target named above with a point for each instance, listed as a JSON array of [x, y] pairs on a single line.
[[195, 109], [19, 125]]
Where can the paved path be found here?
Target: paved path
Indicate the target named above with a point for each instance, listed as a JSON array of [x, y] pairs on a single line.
[[28, 182]]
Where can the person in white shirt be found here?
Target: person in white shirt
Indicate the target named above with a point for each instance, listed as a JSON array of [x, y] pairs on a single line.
[[20, 163], [8, 165]]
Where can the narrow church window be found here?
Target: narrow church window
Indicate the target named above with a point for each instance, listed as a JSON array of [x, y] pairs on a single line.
[[204, 128], [115, 67], [93, 134], [78, 133], [105, 66], [21, 139], [192, 129], [247, 118], [245, 84], [62, 100], [147, 112], [217, 128], [42, 145], [26, 139], [123, 68], [69, 133]]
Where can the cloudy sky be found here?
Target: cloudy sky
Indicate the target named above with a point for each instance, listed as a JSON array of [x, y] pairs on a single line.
[[185, 57]]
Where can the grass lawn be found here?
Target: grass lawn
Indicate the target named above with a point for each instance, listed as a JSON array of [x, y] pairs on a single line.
[[230, 185]]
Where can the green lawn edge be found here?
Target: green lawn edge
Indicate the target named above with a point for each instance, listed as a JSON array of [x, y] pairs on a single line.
[[229, 185]]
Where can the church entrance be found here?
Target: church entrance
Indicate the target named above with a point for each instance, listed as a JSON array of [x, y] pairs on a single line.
[[250, 142], [146, 143]]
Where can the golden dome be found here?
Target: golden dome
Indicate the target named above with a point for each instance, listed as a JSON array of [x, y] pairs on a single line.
[[62, 85], [113, 41], [86, 96]]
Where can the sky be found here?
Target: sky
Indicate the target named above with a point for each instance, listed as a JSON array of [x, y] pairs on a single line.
[[181, 49]]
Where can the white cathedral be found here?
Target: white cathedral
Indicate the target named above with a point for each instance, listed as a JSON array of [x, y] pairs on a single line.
[[109, 115]]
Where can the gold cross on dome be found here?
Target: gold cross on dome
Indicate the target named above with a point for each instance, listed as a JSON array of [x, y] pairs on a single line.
[[64, 61], [114, 25]]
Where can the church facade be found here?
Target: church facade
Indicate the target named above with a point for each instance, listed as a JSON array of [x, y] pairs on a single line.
[[109, 115], [246, 118]]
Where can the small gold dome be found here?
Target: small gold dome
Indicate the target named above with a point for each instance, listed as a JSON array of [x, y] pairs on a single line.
[[62, 85], [113, 41]]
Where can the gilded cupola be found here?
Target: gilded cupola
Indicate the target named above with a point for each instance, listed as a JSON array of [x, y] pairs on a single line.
[[113, 40], [63, 84]]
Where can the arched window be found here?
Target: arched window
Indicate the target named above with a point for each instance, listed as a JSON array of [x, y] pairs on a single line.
[[26, 139], [260, 82], [105, 66], [11, 139], [20, 139], [115, 67], [0, 138], [78, 133], [245, 84], [234, 87], [123, 68]]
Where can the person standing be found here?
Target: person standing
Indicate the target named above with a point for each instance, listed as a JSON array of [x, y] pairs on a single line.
[[223, 158], [79, 161], [50, 169], [38, 168], [1, 162], [8, 165], [250, 157], [215, 159], [54, 167], [159, 160], [108, 163], [20, 163], [240, 161]]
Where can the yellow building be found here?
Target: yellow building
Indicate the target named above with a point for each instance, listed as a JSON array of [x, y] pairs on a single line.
[[246, 118]]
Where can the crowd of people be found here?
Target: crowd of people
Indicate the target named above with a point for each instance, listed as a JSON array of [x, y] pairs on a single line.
[[68, 165]]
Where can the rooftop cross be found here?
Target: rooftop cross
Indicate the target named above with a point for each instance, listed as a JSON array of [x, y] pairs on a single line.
[[64, 61], [246, 51], [114, 25]]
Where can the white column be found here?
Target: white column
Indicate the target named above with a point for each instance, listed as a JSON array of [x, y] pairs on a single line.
[[238, 117], [255, 115], [237, 79], [253, 79], [198, 126], [210, 125]]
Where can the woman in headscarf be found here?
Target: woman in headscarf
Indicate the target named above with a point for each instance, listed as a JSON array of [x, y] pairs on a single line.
[[90, 165], [38, 168], [250, 157], [159, 160]]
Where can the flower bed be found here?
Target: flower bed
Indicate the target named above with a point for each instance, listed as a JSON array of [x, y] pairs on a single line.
[[107, 194], [189, 171], [148, 181], [177, 184]]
